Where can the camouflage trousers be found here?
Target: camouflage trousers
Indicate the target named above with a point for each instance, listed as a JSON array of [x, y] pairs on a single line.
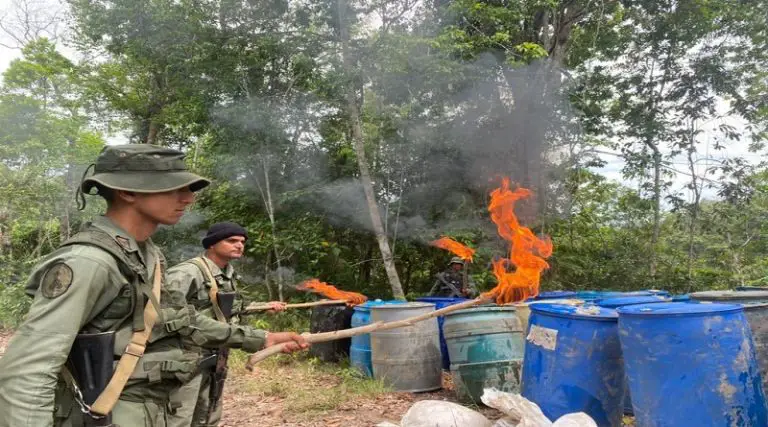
[[147, 414]]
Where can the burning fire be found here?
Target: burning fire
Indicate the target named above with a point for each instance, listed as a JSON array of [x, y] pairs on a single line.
[[527, 252], [464, 252], [329, 291]]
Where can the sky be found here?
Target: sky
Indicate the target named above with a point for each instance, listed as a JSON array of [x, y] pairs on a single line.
[[612, 169]]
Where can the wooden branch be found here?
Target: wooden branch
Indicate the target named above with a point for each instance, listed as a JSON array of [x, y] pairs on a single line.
[[252, 308], [347, 333]]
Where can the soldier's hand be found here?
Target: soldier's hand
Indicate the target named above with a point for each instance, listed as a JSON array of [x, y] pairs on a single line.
[[293, 341], [276, 306]]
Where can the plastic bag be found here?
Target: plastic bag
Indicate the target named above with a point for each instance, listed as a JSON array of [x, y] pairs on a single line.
[[521, 412], [436, 413]]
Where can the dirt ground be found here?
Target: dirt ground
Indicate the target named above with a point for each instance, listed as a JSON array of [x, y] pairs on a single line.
[[288, 392], [244, 409]]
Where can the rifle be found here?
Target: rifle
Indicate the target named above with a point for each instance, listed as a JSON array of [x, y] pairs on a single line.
[[226, 301], [90, 366]]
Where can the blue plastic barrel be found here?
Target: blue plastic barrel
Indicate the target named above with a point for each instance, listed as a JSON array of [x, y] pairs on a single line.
[[625, 301], [360, 348], [441, 302], [691, 365], [681, 298], [593, 295], [573, 362], [622, 301], [556, 295]]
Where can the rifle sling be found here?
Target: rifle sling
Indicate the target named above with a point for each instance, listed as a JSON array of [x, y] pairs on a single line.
[[133, 352], [213, 290]]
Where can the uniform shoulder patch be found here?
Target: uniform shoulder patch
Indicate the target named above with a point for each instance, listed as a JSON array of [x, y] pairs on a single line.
[[56, 280]]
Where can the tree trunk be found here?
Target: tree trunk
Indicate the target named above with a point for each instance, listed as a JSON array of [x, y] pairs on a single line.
[[267, 270], [365, 173], [154, 128], [656, 208], [273, 228]]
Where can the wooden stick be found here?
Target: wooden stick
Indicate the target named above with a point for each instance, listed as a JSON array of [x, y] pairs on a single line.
[[347, 333], [252, 308]]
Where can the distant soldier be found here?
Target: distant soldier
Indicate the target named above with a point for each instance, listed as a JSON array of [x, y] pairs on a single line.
[[209, 283], [104, 343], [454, 282]]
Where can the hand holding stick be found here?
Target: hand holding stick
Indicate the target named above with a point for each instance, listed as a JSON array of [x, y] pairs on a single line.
[[377, 326]]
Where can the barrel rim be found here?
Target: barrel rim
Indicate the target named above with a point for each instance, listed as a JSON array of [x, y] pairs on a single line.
[[368, 304], [729, 295], [440, 299], [571, 312], [407, 304], [677, 309], [622, 301], [556, 294], [509, 309]]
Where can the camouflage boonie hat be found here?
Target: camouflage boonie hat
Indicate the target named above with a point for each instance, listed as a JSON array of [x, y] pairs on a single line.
[[142, 168], [456, 260]]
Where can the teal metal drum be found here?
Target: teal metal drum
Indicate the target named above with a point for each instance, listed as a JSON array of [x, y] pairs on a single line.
[[486, 347], [408, 358], [442, 302]]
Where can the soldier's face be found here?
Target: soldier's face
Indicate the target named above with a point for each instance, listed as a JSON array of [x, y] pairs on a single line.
[[164, 208], [230, 248]]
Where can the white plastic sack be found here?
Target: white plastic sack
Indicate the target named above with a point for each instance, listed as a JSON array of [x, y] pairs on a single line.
[[436, 413], [521, 412]]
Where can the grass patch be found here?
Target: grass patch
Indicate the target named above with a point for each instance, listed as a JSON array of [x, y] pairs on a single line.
[[306, 385]]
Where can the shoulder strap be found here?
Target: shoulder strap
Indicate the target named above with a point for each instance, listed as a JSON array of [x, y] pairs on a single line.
[[94, 237], [130, 267], [214, 289], [133, 352]]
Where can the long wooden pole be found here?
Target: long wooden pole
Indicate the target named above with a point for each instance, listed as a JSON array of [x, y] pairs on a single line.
[[263, 307], [378, 326]]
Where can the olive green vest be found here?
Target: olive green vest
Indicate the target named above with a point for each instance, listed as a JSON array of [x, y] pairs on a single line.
[[164, 366]]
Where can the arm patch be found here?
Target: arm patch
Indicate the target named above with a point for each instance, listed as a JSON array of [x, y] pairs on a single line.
[[56, 280]]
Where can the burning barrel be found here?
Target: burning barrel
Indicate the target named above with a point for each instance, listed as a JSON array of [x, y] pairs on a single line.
[[360, 350], [441, 302], [573, 362], [691, 365], [755, 303], [486, 349], [408, 358], [623, 302], [329, 318]]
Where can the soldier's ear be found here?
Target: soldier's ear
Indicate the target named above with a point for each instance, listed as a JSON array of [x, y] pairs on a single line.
[[126, 196]]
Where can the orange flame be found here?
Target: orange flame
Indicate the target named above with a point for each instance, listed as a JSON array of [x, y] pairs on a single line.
[[464, 252], [329, 291], [527, 252]]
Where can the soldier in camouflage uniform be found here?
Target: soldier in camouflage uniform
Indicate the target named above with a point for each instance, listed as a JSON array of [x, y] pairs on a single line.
[[108, 279], [224, 242], [453, 283]]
